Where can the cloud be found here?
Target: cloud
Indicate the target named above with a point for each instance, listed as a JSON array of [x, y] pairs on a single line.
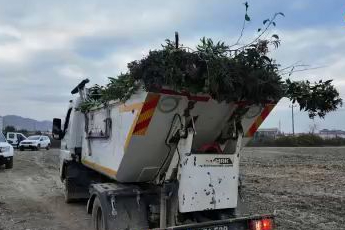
[[47, 47], [318, 48]]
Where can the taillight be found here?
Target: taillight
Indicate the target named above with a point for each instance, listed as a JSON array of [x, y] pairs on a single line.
[[263, 224]]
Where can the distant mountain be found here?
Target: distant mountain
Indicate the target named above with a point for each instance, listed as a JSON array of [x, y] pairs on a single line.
[[26, 123]]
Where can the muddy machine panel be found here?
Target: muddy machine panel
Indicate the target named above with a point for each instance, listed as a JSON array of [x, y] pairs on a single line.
[[128, 141]]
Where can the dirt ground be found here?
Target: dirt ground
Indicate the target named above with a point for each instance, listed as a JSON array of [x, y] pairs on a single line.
[[305, 187], [31, 195]]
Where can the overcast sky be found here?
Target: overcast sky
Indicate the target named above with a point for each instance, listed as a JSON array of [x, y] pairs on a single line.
[[47, 47]]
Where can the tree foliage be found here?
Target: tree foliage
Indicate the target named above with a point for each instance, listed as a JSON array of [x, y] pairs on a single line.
[[214, 68], [317, 99], [303, 140], [9, 128]]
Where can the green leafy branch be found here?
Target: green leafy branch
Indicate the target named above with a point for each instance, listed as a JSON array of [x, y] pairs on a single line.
[[317, 99], [249, 76], [267, 23], [211, 68]]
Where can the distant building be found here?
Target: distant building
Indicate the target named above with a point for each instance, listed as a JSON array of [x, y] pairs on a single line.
[[327, 133], [270, 133], [1, 123]]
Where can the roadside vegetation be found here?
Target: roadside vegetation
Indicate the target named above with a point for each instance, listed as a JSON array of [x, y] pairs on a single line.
[[25, 132], [303, 140]]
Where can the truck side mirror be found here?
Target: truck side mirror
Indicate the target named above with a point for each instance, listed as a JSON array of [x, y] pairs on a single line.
[[57, 128]]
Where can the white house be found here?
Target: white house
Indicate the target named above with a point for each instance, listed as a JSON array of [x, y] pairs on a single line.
[[326, 133], [270, 133]]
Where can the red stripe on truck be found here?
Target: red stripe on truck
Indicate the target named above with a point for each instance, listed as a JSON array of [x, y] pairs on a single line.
[[258, 121], [146, 114]]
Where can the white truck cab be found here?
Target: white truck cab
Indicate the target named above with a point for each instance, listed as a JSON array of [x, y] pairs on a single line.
[[6, 152], [15, 138]]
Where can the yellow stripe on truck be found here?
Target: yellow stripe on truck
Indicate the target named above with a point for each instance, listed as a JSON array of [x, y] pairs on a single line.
[[265, 112], [146, 114], [143, 117], [129, 135], [107, 171], [128, 108]]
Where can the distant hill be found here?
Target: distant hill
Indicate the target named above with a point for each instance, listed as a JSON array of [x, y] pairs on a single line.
[[26, 123]]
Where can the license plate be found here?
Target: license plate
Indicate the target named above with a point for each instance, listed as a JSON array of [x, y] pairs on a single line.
[[222, 227]]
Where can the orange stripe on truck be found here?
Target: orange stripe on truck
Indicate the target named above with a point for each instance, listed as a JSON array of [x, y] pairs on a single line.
[[127, 108], [107, 171], [130, 133], [146, 114], [265, 112]]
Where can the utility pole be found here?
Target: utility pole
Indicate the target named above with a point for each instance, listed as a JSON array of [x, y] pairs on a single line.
[[293, 119], [280, 127]]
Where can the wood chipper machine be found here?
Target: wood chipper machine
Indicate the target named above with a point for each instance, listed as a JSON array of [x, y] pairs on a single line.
[[160, 160]]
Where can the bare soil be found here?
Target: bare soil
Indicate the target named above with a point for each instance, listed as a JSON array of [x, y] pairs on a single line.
[[304, 187], [31, 195]]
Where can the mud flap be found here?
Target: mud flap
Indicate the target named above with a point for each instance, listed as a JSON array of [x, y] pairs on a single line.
[[77, 180], [121, 205]]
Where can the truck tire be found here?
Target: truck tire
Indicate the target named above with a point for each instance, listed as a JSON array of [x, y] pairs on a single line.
[[98, 216], [48, 146], [69, 190], [38, 147], [9, 164]]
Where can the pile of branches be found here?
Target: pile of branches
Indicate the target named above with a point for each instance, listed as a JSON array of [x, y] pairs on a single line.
[[248, 75], [226, 74]]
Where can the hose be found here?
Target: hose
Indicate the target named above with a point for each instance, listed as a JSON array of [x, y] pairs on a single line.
[[168, 144]]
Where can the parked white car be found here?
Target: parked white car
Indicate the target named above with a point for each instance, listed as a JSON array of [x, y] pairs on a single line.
[[35, 142], [6, 152], [15, 138]]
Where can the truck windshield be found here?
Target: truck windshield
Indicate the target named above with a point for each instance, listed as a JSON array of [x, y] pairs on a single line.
[[2, 138], [34, 138]]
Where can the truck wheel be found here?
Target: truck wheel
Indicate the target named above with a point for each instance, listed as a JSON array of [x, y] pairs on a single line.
[[48, 146], [68, 190], [38, 147], [98, 218], [9, 164]]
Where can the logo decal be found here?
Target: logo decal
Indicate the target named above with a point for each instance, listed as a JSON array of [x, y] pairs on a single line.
[[223, 161], [218, 162]]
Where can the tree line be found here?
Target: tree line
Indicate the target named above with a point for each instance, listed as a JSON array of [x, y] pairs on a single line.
[[25, 132]]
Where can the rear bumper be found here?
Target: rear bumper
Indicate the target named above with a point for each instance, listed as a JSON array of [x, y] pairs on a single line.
[[13, 144], [241, 223], [27, 146], [4, 160]]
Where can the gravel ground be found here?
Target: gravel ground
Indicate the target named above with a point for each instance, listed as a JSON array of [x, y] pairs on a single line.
[[305, 187], [31, 195]]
